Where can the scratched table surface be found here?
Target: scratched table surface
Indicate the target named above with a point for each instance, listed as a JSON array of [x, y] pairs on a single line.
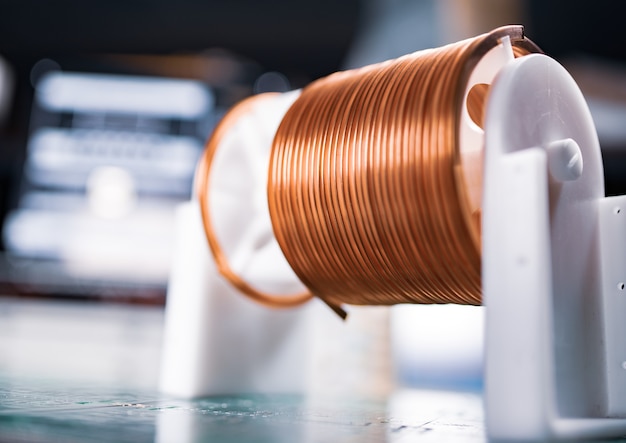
[[46, 411], [72, 372]]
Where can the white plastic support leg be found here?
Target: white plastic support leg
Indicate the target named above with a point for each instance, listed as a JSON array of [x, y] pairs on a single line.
[[613, 246], [216, 340], [553, 264], [518, 330]]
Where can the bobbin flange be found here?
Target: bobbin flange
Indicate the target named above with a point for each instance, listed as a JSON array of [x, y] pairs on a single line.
[[551, 284]]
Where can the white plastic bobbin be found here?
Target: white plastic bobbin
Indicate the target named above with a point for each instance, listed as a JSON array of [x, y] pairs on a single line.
[[554, 264], [472, 136]]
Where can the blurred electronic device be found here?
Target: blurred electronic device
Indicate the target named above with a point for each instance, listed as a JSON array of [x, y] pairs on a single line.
[[108, 158], [6, 89]]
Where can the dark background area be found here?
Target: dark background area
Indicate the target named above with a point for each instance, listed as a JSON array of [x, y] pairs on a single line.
[[570, 28], [571, 31], [301, 39], [290, 36], [225, 44]]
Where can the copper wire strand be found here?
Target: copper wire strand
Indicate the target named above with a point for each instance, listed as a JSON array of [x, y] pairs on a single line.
[[442, 189], [366, 187], [424, 253], [381, 262], [352, 243], [391, 195], [312, 203]]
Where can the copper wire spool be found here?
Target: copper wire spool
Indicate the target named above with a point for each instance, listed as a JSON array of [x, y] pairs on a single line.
[[367, 186]]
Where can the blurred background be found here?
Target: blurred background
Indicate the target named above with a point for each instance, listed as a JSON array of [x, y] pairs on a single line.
[[105, 106]]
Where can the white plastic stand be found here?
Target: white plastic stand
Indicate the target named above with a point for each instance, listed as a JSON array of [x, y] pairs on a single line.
[[217, 341], [553, 263]]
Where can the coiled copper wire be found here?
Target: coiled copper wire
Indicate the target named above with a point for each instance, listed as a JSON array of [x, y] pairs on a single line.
[[366, 190]]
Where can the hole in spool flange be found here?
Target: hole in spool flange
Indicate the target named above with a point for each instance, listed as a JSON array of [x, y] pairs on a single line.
[[621, 286], [476, 103]]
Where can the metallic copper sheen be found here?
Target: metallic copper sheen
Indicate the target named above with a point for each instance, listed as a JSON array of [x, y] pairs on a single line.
[[366, 188]]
